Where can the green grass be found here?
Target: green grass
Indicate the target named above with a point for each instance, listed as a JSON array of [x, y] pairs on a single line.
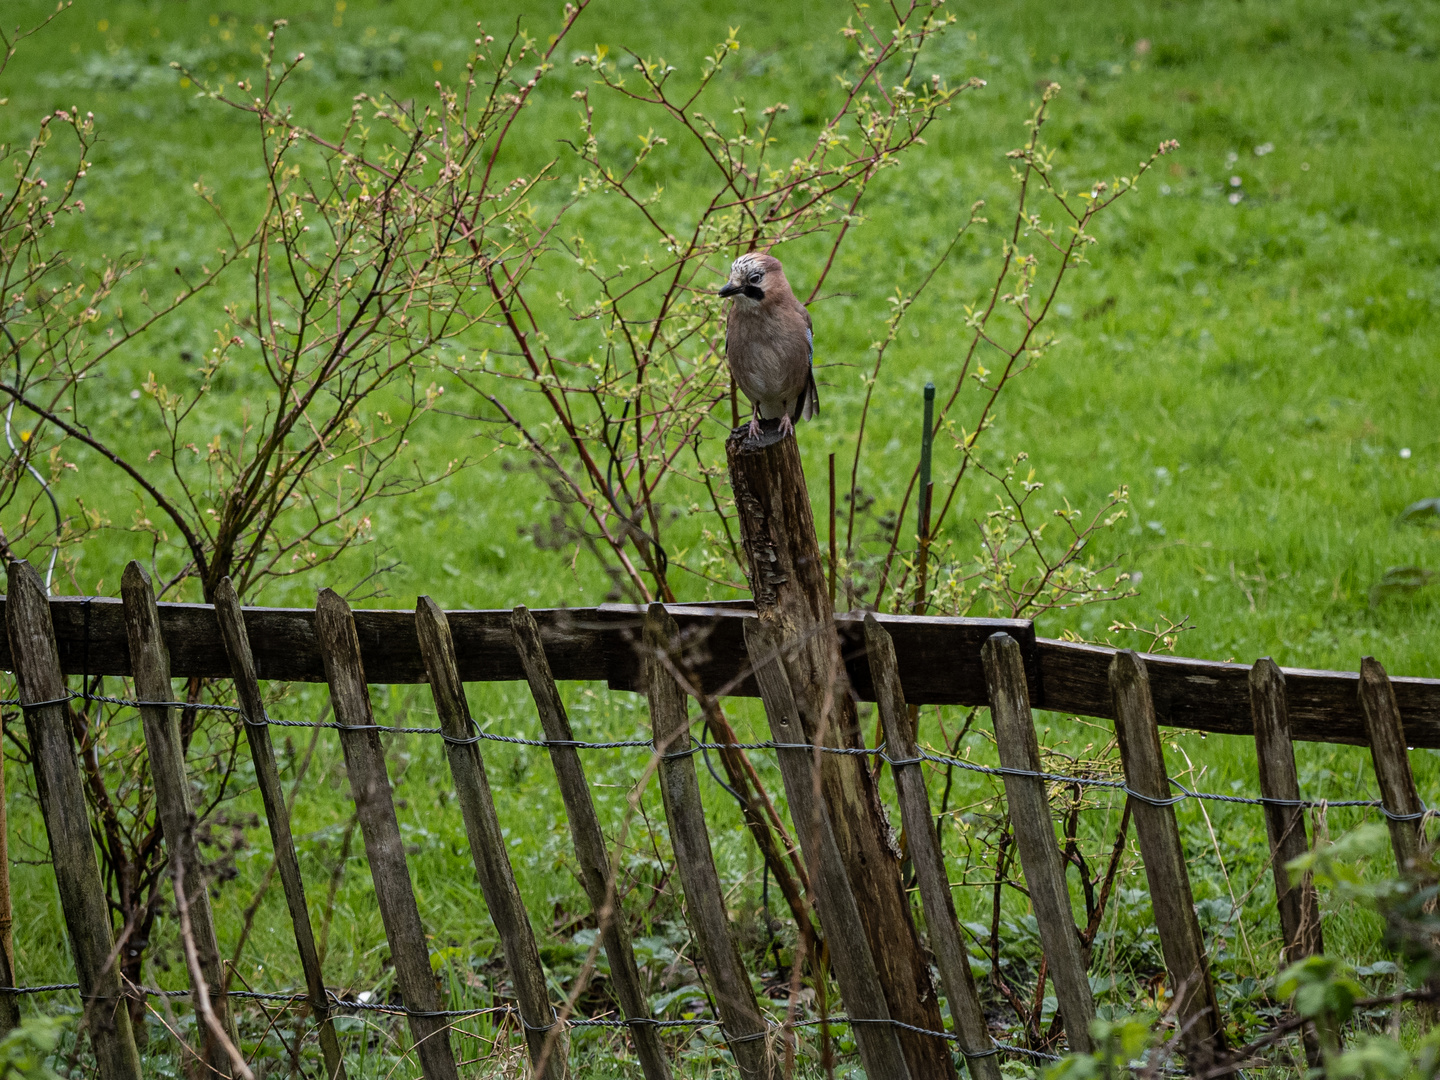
[[1262, 375]]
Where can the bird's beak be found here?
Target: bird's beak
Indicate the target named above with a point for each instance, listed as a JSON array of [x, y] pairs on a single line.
[[729, 289]]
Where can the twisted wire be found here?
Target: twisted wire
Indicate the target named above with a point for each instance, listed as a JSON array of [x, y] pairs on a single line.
[[338, 1004], [697, 746]]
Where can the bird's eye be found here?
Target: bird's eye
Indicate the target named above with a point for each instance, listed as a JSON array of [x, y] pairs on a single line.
[[755, 278]]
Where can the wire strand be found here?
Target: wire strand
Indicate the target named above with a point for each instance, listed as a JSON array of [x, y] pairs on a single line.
[[765, 744], [338, 1004]]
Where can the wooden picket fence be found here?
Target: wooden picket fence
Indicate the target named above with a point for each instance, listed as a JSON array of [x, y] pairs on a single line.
[[676, 654]]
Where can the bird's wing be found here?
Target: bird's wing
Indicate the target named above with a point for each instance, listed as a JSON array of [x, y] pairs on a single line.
[[809, 404]]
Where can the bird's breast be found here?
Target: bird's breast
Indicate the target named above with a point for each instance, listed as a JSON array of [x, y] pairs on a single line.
[[769, 359]]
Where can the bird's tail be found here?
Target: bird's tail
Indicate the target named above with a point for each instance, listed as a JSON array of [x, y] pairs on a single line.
[[808, 407]]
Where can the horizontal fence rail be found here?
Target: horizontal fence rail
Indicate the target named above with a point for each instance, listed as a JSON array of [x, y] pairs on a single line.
[[939, 661]]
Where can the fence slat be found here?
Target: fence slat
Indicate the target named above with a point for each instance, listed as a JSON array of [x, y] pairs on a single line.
[[375, 806], [786, 576], [487, 844], [1035, 837], [595, 873], [1298, 904], [9, 1003], [845, 937], [150, 662], [742, 1024], [774, 843], [1392, 762], [925, 856], [36, 663], [692, 657], [277, 816], [1198, 1011], [1275, 758]]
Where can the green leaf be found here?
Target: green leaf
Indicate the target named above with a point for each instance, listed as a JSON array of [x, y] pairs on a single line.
[[24, 1049], [1323, 988], [1335, 864], [1371, 1058], [1119, 1043]]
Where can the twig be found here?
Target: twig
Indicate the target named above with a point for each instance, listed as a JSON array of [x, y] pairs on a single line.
[[1240, 1058], [197, 977]]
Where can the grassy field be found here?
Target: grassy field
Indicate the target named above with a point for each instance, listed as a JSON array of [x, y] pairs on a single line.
[[1252, 351]]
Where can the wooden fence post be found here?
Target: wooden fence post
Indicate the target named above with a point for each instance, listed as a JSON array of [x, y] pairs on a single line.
[[787, 577], [1275, 758], [36, 660], [595, 872], [487, 844], [951, 956], [744, 1028], [1298, 904], [9, 1003], [277, 815], [759, 812], [835, 903], [1392, 764], [689, 653], [1198, 1011], [375, 806], [150, 662], [1035, 836]]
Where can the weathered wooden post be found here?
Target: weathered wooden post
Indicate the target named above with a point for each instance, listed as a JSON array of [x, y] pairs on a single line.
[[375, 806], [596, 875], [787, 577], [1298, 903], [9, 1003], [487, 843], [1401, 799], [150, 661], [1284, 818], [1202, 1036], [846, 941], [946, 940], [43, 693], [236, 639], [1035, 836], [744, 1027]]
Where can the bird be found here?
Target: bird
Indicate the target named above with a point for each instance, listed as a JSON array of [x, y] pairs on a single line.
[[770, 343]]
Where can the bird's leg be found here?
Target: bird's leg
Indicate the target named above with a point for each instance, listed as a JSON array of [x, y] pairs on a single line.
[[755, 422], [787, 426]]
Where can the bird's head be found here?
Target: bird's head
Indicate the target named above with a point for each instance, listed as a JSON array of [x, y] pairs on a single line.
[[750, 274]]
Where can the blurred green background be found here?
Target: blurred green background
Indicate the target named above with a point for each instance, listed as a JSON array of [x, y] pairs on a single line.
[[1261, 373]]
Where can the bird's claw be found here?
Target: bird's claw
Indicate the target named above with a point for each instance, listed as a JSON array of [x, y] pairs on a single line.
[[754, 427], [787, 426]]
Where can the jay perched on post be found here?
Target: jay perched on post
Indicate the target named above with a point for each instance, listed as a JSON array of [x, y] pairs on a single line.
[[769, 343]]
